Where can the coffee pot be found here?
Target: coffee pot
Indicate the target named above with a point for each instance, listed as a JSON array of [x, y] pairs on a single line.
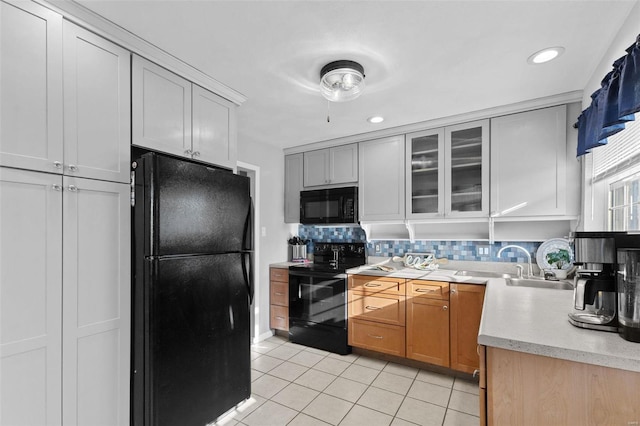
[[594, 294]]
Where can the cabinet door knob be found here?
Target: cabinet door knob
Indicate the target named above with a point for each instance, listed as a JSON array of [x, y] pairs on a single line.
[[57, 187], [188, 152], [196, 154], [72, 188], [445, 307], [73, 168], [453, 290], [57, 164]]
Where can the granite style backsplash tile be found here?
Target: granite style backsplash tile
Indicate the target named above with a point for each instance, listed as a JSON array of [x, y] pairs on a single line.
[[452, 250]]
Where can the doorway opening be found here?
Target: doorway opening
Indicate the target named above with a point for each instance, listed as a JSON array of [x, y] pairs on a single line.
[[253, 173]]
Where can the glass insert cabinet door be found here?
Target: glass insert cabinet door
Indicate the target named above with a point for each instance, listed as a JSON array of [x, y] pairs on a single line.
[[425, 173], [467, 165]]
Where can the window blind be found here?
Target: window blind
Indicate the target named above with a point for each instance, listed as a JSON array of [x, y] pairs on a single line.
[[621, 153]]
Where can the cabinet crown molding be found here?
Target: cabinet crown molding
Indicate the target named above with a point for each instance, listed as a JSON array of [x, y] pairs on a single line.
[[90, 20]]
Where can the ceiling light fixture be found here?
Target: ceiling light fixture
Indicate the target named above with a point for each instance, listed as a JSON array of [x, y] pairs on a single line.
[[341, 81], [375, 119], [545, 55]]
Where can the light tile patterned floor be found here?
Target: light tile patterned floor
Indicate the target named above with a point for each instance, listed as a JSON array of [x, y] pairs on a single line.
[[299, 386]]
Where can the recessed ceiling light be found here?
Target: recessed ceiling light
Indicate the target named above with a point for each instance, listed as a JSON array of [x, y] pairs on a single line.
[[545, 55], [375, 119]]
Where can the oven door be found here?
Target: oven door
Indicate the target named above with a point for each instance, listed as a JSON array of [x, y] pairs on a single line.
[[318, 297]]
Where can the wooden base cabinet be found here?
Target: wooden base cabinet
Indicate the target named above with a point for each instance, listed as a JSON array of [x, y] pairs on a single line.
[[279, 298], [377, 314], [527, 389], [464, 322], [428, 321]]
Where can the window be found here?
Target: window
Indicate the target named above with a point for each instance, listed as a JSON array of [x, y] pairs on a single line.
[[624, 204], [617, 165]]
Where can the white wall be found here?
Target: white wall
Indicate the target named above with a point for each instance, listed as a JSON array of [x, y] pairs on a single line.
[[625, 38], [594, 201], [273, 245]]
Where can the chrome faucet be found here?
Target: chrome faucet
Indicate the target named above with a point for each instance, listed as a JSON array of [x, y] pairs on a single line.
[[530, 269]]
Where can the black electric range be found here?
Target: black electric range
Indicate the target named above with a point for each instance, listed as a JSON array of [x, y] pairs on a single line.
[[318, 296]]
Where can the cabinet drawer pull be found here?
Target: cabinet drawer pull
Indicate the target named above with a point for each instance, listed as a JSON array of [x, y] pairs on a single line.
[[279, 294], [427, 290], [372, 308], [279, 317], [374, 336], [372, 285]]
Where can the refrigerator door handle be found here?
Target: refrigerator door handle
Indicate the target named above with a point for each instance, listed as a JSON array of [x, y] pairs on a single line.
[[247, 237], [247, 271]]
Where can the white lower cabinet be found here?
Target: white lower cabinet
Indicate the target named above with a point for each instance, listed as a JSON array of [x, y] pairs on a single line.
[[30, 298], [65, 300], [96, 319]]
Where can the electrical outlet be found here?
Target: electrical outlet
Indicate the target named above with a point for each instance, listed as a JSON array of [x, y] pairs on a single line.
[[483, 250], [378, 248]]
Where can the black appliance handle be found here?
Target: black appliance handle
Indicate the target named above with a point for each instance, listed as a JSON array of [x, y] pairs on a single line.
[[247, 235], [247, 272]]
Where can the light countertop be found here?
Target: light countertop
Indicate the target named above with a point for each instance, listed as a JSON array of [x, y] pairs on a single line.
[[531, 320], [534, 320]]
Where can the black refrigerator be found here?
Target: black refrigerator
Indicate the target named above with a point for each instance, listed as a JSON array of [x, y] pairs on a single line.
[[192, 290]]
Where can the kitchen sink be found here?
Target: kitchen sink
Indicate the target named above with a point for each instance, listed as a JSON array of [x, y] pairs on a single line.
[[483, 274], [539, 283]]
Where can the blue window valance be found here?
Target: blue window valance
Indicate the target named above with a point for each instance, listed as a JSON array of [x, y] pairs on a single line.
[[615, 103]]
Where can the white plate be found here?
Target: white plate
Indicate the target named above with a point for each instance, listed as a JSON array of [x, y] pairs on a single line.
[[553, 246]]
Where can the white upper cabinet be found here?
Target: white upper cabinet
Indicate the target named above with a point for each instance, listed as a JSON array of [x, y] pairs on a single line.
[[97, 106], [425, 174], [65, 104], [447, 172], [467, 169], [30, 87], [214, 126], [161, 103], [381, 179], [329, 166], [292, 187], [31, 296], [528, 163], [172, 115]]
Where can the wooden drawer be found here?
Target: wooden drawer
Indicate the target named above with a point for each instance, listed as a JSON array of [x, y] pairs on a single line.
[[279, 317], [279, 293], [370, 284], [279, 274], [428, 289], [379, 307], [377, 337]]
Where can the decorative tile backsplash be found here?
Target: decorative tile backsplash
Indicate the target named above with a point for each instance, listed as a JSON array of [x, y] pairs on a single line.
[[452, 250]]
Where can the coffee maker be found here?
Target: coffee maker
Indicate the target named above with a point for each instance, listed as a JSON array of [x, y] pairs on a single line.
[[594, 294], [628, 280]]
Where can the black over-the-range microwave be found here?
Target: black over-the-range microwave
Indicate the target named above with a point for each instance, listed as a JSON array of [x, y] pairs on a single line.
[[333, 205]]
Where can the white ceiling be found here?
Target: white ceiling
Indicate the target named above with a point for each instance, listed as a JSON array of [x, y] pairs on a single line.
[[423, 60]]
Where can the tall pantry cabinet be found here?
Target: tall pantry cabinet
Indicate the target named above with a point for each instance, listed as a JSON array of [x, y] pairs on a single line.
[[64, 214]]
